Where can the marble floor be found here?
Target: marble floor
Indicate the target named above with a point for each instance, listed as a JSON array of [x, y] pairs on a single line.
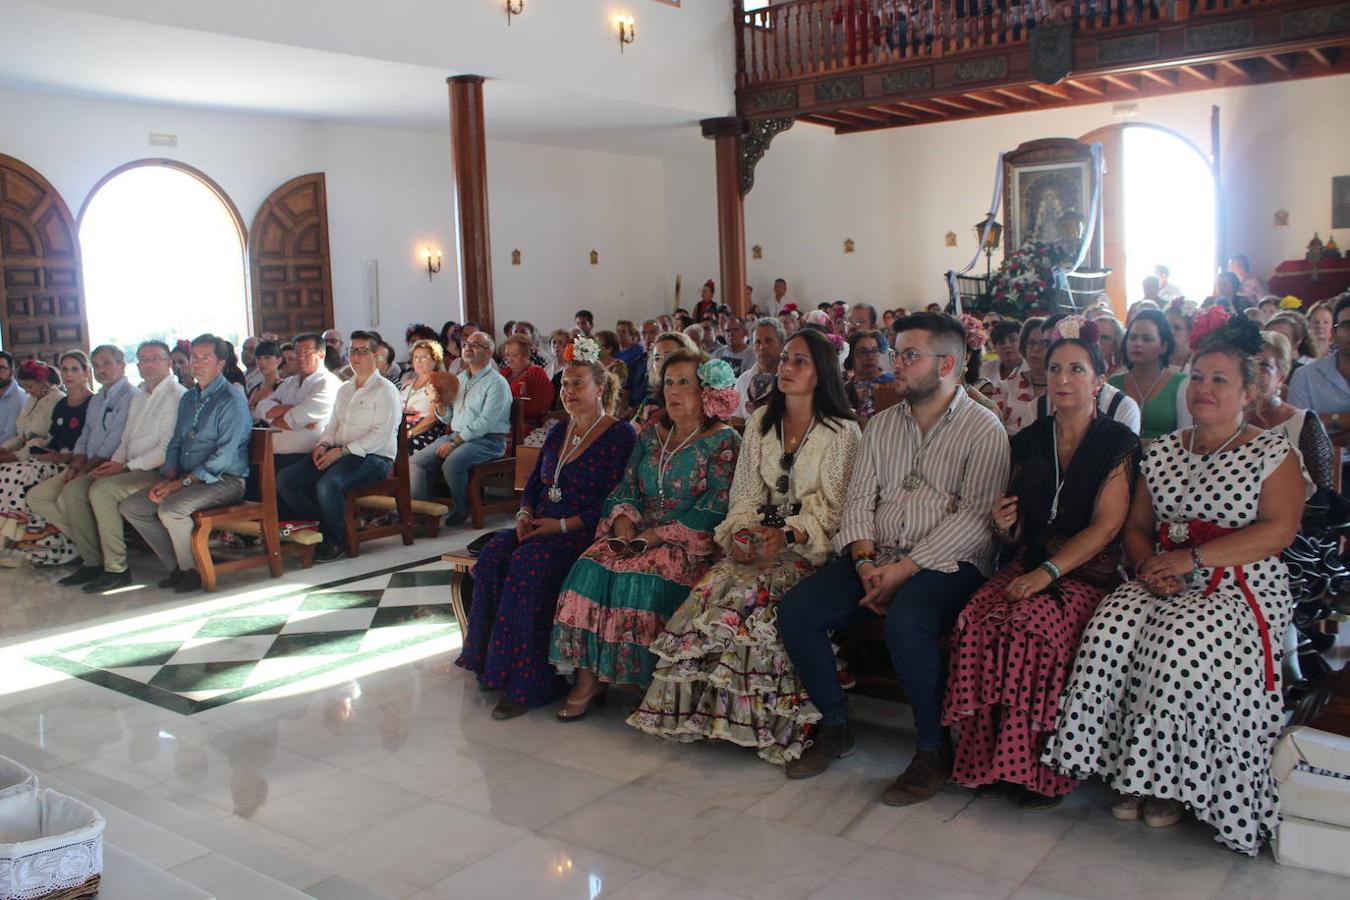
[[384, 776]]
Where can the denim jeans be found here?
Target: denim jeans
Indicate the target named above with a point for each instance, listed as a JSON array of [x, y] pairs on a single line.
[[454, 468], [306, 493], [922, 610]]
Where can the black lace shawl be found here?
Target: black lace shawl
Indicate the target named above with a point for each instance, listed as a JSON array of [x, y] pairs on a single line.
[[1105, 446]]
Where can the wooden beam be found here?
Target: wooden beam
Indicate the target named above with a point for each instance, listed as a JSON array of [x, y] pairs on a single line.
[[1320, 55], [946, 101], [983, 99], [1048, 90], [871, 114], [815, 120], [1160, 77], [941, 113], [895, 110], [1196, 73], [1120, 81], [1084, 87], [1236, 67], [1009, 92], [1278, 63], [842, 119]]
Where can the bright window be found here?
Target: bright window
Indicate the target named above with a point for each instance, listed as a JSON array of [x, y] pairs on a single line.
[[1169, 213], [163, 258]]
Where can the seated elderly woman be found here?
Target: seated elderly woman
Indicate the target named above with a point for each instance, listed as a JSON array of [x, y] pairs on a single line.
[[520, 571], [656, 538], [529, 383], [1014, 642], [1305, 431], [723, 671], [419, 396], [48, 428], [666, 343], [1175, 698], [868, 365]]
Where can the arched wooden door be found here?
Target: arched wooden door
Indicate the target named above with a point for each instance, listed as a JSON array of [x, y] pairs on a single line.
[[288, 256], [42, 313]]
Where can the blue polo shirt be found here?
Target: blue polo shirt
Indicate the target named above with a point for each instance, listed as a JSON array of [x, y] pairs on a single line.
[[211, 436]]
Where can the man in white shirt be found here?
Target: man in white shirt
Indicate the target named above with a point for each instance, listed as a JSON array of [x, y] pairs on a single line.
[[779, 296], [299, 408], [1166, 290], [756, 382], [12, 398], [93, 520], [356, 448]]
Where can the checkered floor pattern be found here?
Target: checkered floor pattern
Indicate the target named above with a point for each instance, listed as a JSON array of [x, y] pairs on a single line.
[[229, 654]]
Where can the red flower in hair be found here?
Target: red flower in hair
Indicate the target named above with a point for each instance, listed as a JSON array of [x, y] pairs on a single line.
[[975, 333], [1208, 322], [567, 352]]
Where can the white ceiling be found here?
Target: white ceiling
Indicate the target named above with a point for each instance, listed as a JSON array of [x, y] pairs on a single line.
[[72, 52]]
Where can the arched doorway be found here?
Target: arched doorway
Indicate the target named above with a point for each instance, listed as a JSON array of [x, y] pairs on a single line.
[[1159, 196], [164, 257]]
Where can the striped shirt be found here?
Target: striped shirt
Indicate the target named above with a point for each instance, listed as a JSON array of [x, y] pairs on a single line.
[[945, 520]]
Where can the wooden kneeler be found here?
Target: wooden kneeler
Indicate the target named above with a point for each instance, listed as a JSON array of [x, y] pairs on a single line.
[[253, 518]]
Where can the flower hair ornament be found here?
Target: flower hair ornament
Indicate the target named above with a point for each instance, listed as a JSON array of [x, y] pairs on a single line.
[[1238, 332], [1075, 328], [1289, 301], [975, 333], [1206, 323], [836, 341], [35, 370], [720, 399], [583, 350]]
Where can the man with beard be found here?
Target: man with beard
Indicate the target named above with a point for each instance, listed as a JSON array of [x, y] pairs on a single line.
[[12, 398], [914, 543]]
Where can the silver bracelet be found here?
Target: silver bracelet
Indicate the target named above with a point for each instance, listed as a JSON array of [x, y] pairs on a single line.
[[562, 524], [523, 514]]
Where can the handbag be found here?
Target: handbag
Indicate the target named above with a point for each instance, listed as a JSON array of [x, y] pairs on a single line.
[[1102, 570]]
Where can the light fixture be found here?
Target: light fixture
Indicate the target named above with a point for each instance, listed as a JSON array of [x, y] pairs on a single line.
[[514, 8], [991, 238], [433, 258], [627, 31]]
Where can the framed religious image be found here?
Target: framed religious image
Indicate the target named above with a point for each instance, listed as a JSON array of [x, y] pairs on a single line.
[[1047, 191]]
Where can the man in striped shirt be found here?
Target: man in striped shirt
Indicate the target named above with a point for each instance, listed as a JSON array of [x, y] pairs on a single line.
[[914, 543]]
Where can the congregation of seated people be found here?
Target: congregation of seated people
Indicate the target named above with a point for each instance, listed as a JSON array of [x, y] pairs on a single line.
[[1066, 530]]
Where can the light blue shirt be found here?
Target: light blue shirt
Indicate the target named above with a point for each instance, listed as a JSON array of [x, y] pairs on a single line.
[[1320, 387], [483, 406], [211, 435], [11, 404], [105, 420]]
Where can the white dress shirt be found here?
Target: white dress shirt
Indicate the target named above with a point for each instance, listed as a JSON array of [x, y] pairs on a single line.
[[150, 425], [365, 420], [312, 399]]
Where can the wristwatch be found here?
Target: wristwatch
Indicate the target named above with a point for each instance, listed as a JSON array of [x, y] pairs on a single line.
[[789, 536], [187, 482]]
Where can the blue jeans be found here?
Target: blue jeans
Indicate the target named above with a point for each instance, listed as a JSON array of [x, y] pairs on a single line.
[[454, 468], [306, 493], [922, 610]]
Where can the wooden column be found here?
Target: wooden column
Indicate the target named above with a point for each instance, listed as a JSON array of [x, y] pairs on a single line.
[[470, 196], [725, 134]]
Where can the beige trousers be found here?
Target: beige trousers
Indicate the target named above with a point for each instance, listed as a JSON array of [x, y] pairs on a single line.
[[87, 512]]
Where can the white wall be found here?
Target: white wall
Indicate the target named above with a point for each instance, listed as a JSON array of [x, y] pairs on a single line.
[[898, 192], [388, 197]]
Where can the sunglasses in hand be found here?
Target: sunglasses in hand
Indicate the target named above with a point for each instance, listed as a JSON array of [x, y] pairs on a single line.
[[626, 547]]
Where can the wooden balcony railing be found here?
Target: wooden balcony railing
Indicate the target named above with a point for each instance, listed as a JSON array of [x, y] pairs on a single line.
[[799, 38]]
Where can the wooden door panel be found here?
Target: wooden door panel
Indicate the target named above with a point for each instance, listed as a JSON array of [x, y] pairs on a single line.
[[42, 313], [288, 252]]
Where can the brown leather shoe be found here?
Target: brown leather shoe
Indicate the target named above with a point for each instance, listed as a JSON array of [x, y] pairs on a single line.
[[928, 771], [828, 743]]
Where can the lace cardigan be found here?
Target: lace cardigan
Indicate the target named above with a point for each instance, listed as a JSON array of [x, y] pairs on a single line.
[[34, 424], [819, 483]]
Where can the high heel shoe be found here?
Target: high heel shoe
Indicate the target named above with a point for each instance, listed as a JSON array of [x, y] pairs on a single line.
[[574, 710]]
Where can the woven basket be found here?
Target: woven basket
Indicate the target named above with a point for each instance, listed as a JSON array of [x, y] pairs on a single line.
[[51, 847], [15, 779]]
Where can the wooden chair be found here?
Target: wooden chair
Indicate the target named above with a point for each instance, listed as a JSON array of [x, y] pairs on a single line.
[[393, 493], [254, 519], [505, 469]]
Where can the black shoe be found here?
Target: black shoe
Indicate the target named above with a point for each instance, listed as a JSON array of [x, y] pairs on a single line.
[[172, 580], [830, 742], [327, 552], [191, 581], [108, 581], [83, 575], [505, 709]]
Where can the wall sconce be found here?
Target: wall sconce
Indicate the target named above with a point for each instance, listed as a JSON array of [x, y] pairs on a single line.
[[514, 8], [433, 258], [627, 31]]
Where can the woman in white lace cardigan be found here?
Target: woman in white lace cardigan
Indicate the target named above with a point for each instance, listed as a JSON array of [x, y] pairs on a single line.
[[723, 672]]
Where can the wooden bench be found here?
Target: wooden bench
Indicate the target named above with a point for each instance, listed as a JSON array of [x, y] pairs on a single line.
[[503, 469], [251, 518], [461, 585], [393, 493]]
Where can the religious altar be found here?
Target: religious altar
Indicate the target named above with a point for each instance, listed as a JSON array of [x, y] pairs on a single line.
[[1311, 281]]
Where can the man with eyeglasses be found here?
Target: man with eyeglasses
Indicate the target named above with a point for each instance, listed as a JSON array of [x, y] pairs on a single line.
[[737, 350], [205, 464], [915, 543], [12, 398], [105, 423], [1324, 386], [478, 428], [299, 408], [357, 448]]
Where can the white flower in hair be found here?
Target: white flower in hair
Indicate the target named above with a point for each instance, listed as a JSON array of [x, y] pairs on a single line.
[[1070, 327], [585, 350]]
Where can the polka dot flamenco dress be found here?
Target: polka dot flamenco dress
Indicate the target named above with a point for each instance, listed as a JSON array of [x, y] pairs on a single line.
[[1179, 697]]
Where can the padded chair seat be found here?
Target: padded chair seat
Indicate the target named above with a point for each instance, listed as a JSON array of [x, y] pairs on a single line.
[[254, 529], [389, 504]]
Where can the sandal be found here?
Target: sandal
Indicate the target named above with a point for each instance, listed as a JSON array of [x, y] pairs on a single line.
[[574, 710], [1127, 807], [1163, 813]]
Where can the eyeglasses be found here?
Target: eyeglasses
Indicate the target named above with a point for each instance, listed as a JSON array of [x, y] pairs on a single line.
[[1345, 324], [479, 344], [146, 360], [1038, 345], [360, 351], [423, 357], [909, 356], [867, 351]]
